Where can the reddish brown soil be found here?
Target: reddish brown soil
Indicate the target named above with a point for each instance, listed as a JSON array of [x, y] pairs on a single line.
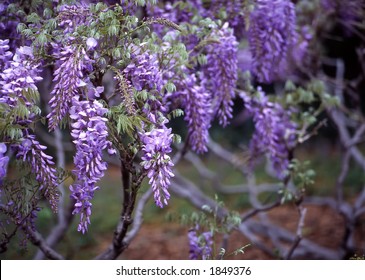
[[169, 241]]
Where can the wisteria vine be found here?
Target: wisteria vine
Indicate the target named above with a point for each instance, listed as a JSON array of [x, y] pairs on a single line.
[[124, 79]]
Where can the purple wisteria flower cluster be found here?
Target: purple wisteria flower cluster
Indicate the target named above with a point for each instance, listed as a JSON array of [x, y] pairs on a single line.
[[221, 71], [89, 131], [181, 12], [198, 112], [21, 74], [42, 165], [156, 147], [271, 35], [68, 77], [275, 134], [71, 16], [200, 247], [143, 73], [8, 24], [5, 54], [233, 10], [174, 12]]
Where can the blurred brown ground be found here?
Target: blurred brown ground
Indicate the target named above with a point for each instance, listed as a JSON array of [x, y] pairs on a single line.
[[167, 241]]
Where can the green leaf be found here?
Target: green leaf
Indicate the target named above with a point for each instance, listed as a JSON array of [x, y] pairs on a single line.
[[202, 59], [177, 113], [170, 87], [33, 18], [100, 6], [117, 53], [20, 27], [176, 138], [305, 96], [47, 13], [290, 86], [27, 32], [41, 39], [141, 2], [123, 123]]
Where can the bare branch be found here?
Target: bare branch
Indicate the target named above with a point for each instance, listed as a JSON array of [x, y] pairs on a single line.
[[302, 212], [216, 184], [360, 201], [138, 217], [130, 189], [227, 156], [36, 238], [255, 211], [305, 247]]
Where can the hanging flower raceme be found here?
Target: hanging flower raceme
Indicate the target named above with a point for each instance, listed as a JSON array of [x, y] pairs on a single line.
[[198, 113], [68, 76], [42, 165], [21, 74], [5, 54], [221, 71], [271, 34], [89, 131], [156, 147], [275, 133], [144, 73], [71, 16], [200, 247], [9, 22]]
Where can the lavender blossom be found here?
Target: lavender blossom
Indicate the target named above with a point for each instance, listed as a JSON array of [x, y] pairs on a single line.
[[156, 146], [233, 10], [143, 73], [71, 16], [5, 54], [200, 246], [90, 133], [300, 53], [42, 165], [3, 162], [128, 6], [174, 13], [8, 24], [21, 74], [68, 78], [221, 70], [198, 113], [271, 35], [274, 134]]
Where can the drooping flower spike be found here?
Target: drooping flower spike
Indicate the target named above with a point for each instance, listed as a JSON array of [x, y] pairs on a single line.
[[89, 132]]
